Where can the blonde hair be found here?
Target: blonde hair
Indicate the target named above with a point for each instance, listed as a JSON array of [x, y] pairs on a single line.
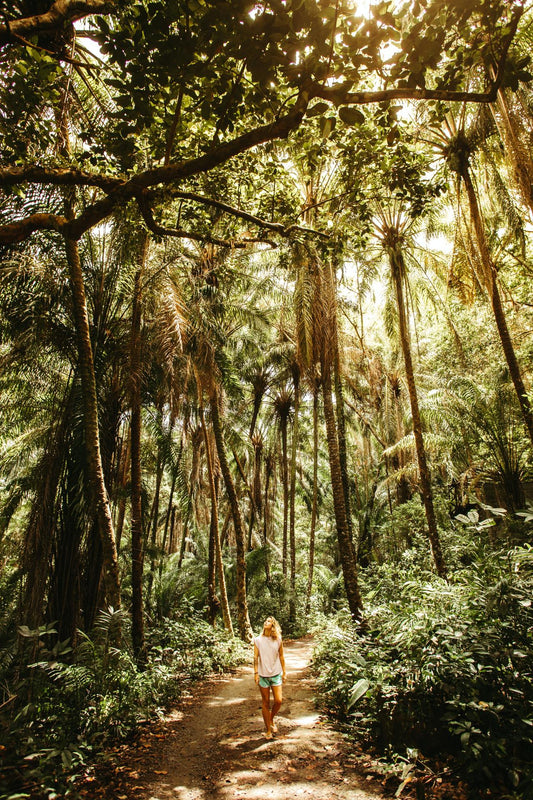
[[276, 628]]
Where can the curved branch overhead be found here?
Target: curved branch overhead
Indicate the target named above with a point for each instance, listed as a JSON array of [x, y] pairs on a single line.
[[60, 12], [15, 232], [177, 233], [272, 75], [120, 191]]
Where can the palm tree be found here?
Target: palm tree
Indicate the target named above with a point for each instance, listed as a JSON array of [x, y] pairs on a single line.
[[324, 306], [314, 501], [393, 229], [282, 405], [61, 504], [245, 628], [490, 447], [136, 524], [207, 347], [216, 564], [457, 148]]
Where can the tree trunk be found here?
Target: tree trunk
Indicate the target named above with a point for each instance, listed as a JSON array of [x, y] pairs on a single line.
[[339, 397], [250, 493], [154, 517], [64, 583], [224, 535], [269, 467], [91, 577], [40, 531], [285, 481], [346, 546], [137, 540], [364, 551], [292, 495], [491, 285], [164, 549], [213, 603], [398, 271], [120, 511], [183, 543], [226, 614], [214, 542], [245, 629], [92, 439], [172, 537], [314, 506]]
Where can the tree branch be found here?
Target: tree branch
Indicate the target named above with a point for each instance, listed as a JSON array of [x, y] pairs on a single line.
[[57, 56], [152, 225], [172, 173], [19, 231], [277, 227], [60, 11], [235, 212], [341, 95], [120, 190], [13, 176]]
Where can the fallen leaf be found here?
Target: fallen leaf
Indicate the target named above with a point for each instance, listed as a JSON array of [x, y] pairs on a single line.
[[160, 772]]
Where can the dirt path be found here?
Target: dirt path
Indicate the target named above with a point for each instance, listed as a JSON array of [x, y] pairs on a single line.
[[214, 747]]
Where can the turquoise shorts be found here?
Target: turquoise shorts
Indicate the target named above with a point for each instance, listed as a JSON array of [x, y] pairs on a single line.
[[274, 680]]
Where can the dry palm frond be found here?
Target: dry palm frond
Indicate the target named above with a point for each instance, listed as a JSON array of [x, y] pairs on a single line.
[[171, 324], [408, 472]]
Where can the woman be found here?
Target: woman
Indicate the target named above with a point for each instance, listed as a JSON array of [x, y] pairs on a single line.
[[269, 671]]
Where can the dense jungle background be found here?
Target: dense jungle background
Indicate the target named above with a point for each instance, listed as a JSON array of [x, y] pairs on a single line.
[[266, 326]]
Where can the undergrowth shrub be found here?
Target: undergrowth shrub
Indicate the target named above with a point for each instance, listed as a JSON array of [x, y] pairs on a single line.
[[442, 667], [67, 704]]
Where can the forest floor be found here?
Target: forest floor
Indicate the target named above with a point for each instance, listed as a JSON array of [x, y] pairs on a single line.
[[212, 747]]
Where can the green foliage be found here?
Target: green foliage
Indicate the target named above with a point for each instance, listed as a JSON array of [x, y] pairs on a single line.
[[71, 704], [445, 668]]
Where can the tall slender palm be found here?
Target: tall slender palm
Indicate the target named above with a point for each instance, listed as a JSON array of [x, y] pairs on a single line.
[[393, 229], [214, 534], [282, 408], [207, 347], [320, 319], [314, 500], [245, 628], [137, 543], [457, 148]]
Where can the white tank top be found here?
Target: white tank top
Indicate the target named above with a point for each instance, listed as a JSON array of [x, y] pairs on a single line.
[[269, 662]]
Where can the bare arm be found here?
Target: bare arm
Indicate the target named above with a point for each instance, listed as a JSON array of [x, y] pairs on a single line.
[[256, 658], [282, 660]]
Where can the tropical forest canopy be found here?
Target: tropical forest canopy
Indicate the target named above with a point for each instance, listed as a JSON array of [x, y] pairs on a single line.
[[266, 344]]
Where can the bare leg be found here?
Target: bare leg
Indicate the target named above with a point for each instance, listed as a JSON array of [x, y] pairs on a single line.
[[265, 706], [277, 691]]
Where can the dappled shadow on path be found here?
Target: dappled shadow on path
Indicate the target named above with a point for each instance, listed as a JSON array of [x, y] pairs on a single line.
[[214, 748]]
